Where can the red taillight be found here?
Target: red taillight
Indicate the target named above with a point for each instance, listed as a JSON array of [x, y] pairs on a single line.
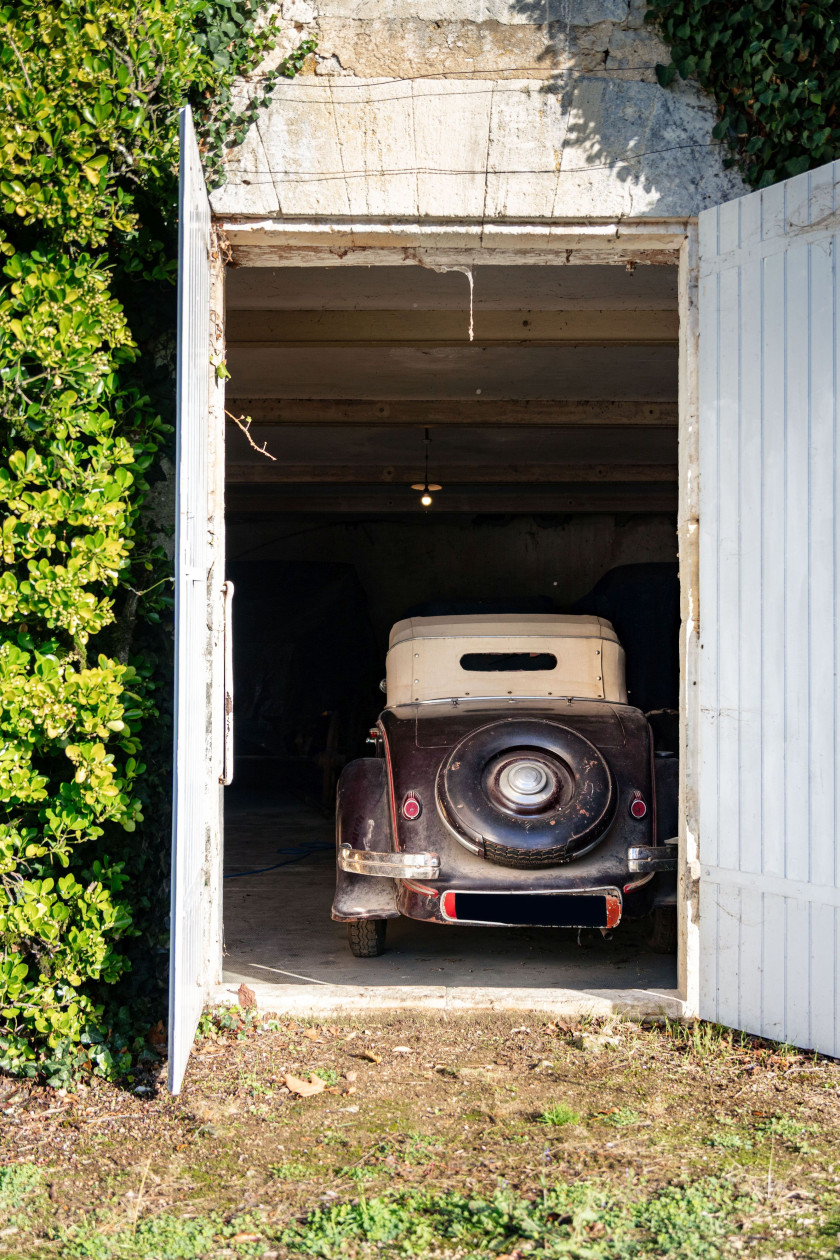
[[638, 805], [411, 807], [447, 904]]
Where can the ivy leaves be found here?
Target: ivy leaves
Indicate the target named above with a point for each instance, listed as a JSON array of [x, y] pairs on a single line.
[[771, 66]]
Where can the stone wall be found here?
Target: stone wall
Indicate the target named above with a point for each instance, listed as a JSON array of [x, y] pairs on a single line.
[[476, 109]]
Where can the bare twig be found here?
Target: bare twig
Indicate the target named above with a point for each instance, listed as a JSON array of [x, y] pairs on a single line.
[[140, 1196], [244, 423], [13, 47]]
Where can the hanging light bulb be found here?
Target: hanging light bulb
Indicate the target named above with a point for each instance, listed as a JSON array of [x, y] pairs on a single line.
[[426, 487]]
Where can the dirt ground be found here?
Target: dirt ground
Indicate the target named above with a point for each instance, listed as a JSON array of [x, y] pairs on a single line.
[[485, 1136]]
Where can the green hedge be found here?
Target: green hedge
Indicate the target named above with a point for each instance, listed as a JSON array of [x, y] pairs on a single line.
[[89, 95], [771, 65]]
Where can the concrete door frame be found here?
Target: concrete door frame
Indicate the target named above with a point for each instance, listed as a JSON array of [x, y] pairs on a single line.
[[247, 242]]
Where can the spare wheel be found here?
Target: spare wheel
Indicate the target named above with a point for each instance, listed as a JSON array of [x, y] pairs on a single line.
[[525, 793]]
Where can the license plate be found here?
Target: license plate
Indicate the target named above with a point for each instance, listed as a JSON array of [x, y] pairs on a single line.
[[573, 910]]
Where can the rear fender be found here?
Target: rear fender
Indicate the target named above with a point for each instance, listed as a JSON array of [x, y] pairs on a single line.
[[363, 821]]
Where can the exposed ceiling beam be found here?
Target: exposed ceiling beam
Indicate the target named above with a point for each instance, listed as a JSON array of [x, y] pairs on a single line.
[[263, 243], [473, 412], [281, 473], [540, 500], [450, 328]]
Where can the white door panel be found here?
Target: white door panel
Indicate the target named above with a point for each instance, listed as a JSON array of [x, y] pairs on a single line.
[[192, 843], [769, 558]]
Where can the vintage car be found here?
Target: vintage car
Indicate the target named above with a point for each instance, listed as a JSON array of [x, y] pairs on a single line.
[[511, 784]]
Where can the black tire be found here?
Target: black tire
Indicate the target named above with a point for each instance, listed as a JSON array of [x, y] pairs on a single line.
[[366, 937], [662, 937]]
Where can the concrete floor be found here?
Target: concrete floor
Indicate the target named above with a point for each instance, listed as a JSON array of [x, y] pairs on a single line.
[[280, 940]]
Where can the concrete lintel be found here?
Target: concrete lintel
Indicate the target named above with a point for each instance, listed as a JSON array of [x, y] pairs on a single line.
[[326, 1000], [481, 238], [277, 254]]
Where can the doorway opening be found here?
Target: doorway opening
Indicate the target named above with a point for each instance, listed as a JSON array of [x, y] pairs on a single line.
[[543, 401]]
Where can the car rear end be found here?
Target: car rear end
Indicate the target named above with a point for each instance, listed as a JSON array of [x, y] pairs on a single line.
[[516, 781]]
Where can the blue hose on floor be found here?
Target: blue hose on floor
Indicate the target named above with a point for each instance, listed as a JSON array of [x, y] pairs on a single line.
[[295, 854]]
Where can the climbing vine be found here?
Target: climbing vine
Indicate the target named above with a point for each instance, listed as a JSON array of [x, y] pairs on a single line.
[[89, 95], [772, 68]]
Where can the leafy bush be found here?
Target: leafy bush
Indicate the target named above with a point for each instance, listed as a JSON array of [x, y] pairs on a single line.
[[88, 176], [772, 67]]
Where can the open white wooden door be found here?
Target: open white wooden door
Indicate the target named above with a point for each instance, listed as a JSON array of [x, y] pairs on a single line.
[[769, 612], [191, 908]]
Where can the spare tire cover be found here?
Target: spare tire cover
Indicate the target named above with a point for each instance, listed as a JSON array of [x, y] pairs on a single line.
[[526, 793]]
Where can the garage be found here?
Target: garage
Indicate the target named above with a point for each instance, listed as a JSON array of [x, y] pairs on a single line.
[[543, 404], [655, 385]]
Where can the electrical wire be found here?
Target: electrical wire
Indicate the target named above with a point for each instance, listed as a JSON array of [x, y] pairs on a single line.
[[305, 177], [297, 854], [353, 81]]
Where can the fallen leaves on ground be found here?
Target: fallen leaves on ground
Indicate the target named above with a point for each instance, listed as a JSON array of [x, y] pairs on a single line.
[[297, 1085], [246, 997], [156, 1037]]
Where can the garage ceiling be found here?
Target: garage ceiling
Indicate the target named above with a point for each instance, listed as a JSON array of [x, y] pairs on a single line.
[[565, 398], [419, 288]]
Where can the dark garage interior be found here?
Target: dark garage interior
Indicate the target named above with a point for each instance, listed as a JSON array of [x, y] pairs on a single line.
[[553, 436]]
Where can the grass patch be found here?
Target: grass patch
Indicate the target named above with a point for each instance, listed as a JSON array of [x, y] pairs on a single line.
[[565, 1221], [413, 1147], [727, 1140], [17, 1183], [163, 1237], [559, 1114], [328, 1075], [292, 1171], [622, 1117], [785, 1127], [790, 1131], [705, 1040], [355, 1172]]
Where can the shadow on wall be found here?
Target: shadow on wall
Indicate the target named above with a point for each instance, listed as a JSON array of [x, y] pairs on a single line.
[[306, 668], [617, 126]]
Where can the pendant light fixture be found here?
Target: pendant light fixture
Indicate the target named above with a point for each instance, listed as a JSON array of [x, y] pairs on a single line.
[[426, 487]]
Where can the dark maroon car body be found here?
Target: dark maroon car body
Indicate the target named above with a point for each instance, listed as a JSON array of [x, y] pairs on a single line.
[[594, 854]]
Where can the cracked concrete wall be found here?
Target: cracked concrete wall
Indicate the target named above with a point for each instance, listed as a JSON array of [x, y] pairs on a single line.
[[476, 109]]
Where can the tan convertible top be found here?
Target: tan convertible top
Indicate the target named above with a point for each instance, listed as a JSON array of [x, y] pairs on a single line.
[[433, 658]]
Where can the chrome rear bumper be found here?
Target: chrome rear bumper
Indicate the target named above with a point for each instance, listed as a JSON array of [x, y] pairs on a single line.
[[649, 857], [390, 865]]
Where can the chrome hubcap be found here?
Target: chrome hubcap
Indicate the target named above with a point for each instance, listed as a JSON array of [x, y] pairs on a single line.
[[526, 783]]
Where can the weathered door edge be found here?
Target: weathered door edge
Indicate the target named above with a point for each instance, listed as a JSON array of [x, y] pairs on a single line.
[[193, 562], [216, 609], [688, 539], [196, 891]]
